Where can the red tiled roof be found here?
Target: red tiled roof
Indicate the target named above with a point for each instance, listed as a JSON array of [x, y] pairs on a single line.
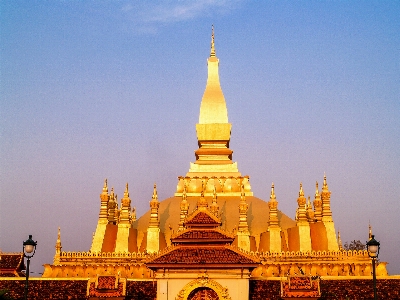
[[10, 260], [196, 257], [11, 265], [202, 218], [197, 235]]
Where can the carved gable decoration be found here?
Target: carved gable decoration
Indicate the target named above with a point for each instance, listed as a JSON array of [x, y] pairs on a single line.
[[203, 256], [300, 287], [204, 235], [106, 287], [202, 218]]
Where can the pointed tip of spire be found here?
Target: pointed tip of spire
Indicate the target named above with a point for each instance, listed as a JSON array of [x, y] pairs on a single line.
[[126, 193], [105, 187], [316, 190], [301, 192], [272, 197], [155, 196], [212, 53]]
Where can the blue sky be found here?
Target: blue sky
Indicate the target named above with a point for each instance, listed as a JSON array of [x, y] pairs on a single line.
[[112, 89]]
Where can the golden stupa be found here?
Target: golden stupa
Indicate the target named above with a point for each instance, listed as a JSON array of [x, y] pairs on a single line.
[[279, 245]]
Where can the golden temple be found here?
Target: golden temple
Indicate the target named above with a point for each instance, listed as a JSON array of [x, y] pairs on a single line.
[[213, 235]]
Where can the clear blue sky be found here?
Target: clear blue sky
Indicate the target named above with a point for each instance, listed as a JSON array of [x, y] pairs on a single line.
[[112, 89]]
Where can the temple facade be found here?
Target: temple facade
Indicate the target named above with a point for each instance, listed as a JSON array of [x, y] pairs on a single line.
[[213, 239]]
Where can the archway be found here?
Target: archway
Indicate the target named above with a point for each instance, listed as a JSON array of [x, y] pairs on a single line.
[[203, 289], [203, 293]]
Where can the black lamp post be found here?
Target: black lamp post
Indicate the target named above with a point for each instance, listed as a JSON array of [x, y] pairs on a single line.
[[373, 252], [29, 248]]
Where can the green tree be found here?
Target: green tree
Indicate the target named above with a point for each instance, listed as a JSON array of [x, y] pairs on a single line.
[[354, 245]]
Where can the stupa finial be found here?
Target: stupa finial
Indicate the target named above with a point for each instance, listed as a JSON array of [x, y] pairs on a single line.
[[155, 196], [301, 192], [212, 53], [105, 187], [272, 197], [126, 193]]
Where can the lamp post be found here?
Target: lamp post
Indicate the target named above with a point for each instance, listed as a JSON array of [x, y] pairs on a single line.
[[373, 252], [29, 248]]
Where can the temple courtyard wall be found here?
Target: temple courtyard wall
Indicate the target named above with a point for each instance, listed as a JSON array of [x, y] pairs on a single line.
[[74, 289]]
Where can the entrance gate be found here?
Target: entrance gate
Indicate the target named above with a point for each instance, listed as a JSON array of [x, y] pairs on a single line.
[[203, 293]]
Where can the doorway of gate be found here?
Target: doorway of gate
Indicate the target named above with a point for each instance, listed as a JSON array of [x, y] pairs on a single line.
[[203, 293]]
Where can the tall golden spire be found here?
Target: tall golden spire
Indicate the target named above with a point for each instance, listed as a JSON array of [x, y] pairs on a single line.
[[243, 207], [301, 201], [184, 210], [310, 212], [213, 107], [153, 231], [326, 202], [317, 204], [273, 209], [125, 215], [214, 208], [58, 248], [340, 241], [154, 205], [112, 204], [104, 198]]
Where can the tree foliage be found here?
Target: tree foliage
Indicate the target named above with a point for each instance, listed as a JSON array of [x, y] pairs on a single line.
[[354, 245]]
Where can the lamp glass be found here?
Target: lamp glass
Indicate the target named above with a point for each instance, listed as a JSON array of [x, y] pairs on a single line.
[[373, 249], [29, 248]]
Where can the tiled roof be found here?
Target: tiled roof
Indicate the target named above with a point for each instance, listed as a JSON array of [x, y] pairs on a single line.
[[11, 264], [198, 256], [197, 235], [10, 260], [201, 217]]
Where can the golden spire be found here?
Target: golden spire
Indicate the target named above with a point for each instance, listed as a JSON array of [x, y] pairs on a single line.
[[104, 198], [133, 214], [214, 208], [58, 242], [105, 187], [202, 202], [212, 53], [340, 241], [301, 192], [213, 107], [58, 247], [310, 212], [317, 204], [111, 206], [273, 209], [326, 202], [301, 201], [184, 209], [126, 193], [243, 207], [125, 214], [154, 205], [155, 196]]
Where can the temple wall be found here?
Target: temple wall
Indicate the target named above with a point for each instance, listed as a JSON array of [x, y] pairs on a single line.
[[319, 240], [74, 289]]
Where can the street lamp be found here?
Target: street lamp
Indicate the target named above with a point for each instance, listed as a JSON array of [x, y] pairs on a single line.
[[373, 252], [29, 248]]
